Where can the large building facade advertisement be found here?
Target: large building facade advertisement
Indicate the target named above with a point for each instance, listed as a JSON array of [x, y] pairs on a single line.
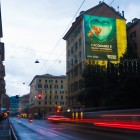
[[100, 38]]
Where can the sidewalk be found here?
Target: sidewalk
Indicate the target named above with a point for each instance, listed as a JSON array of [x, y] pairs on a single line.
[[5, 133]]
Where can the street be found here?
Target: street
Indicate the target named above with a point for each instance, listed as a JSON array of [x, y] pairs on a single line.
[[43, 130]]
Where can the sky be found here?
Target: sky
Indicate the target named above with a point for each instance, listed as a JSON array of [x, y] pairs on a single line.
[[33, 30]]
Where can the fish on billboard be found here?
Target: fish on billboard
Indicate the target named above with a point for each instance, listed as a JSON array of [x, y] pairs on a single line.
[[100, 38]]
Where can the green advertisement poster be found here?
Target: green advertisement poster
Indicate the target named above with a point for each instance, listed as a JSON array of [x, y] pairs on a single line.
[[100, 38]]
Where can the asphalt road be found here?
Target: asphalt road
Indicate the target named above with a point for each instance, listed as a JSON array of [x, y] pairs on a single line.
[[43, 130]]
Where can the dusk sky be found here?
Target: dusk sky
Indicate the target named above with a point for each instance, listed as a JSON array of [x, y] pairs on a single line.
[[33, 30]]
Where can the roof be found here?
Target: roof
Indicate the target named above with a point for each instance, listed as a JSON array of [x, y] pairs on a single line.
[[93, 10], [133, 23], [47, 76]]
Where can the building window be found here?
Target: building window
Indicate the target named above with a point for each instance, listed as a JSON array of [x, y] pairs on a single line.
[[80, 55], [79, 42], [61, 97], [68, 64], [56, 102], [50, 81], [61, 81], [79, 28], [75, 59], [61, 91], [46, 81], [45, 102], [68, 42], [50, 103], [68, 76], [76, 46], [39, 102], [72, 49], [55, 81], [50, 92], [72, 61], [50, 97], [61, 103], [68, 52], [39, 80], [39, 86], [45, 86], [50, 86], [61, 86], [80, 69], [56, 92], [46, 97], [56, 86]]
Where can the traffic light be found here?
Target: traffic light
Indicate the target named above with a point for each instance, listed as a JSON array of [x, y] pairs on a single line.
[[39, 96], [57, 110]]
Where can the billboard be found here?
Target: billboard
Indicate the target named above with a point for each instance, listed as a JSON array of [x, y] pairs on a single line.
[[103, 38]]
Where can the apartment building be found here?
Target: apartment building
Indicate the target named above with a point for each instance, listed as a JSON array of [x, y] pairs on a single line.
[[133, 35], [76, 46], [47, 93], [2, 67]]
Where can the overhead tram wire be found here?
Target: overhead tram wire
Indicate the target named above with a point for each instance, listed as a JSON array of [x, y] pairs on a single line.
[[82, 36], [63, 33]]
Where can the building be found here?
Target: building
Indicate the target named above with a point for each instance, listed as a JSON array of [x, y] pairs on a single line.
[[47, 93], [133, 35], [24, 104], [2, 67], [14, 105], [79, 51]]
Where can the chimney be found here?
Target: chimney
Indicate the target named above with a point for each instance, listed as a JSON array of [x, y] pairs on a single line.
[[123, 13]]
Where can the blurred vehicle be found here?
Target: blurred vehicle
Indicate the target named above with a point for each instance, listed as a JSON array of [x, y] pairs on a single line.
[[30, 120], [18, 116], [56, 118]]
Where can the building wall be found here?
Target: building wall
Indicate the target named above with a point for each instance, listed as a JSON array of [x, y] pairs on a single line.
[[133, 34], [14, 105], [53, 90], [2, 67], [75, 64]]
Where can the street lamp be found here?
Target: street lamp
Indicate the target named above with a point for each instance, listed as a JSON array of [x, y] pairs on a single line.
[[36, 61]]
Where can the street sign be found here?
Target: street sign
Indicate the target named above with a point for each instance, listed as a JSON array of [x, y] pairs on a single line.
[[3, 108]]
